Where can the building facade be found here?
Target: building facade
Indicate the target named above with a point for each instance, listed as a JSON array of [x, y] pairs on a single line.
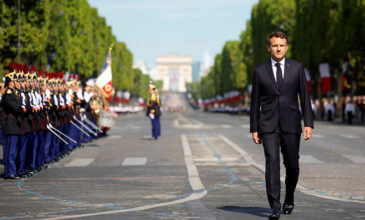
[[175, 71], [196, 71]]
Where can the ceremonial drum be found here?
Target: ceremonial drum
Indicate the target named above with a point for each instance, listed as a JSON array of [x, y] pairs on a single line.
[[106, 119]]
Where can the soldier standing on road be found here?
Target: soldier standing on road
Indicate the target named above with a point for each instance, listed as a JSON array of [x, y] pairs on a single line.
[[27, 125], [153, 111], [275, 119], [12, 126]]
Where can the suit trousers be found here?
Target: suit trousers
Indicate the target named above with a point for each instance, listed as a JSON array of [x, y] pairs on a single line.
[[23, 151], [290, 150], [10, 153]]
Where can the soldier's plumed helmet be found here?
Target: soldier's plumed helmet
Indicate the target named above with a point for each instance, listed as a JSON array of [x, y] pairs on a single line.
[[8, 79]]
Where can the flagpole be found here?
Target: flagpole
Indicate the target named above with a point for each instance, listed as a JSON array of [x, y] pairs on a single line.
[[110, 48]]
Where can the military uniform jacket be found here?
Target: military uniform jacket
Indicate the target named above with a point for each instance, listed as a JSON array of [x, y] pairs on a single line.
[[153, 105], [52, 113], [27, 117], [12, 110]]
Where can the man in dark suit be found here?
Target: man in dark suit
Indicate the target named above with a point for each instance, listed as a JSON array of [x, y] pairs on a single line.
[[275, 119]]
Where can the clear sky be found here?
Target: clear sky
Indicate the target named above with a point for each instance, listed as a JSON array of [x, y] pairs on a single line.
[[189, 27]]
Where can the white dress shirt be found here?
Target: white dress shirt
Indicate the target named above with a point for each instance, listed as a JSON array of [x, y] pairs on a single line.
[[282, 65]]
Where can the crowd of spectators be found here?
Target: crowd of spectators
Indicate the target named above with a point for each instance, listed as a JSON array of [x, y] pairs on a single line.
[[346, 109]]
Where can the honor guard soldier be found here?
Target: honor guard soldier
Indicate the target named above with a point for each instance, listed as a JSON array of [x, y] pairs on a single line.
[[88, 94], [39, 159], [61, 111], [12, 126], [27, 122], [78, 100], [53, 116], [46, 99], [33, 144], [153, 111], [1, 112]]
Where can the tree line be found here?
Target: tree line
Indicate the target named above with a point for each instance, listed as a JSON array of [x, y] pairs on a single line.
[[330, 31], [68, 36]]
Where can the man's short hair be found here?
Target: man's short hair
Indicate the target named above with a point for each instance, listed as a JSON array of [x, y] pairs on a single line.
[[279, 34]]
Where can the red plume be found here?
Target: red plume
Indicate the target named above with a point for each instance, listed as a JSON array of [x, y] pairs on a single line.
[[61, 75], [19, 67], [46, 73], [12, 66], [33, 69], [51, 76], [78, 78], [40, 73], [26, 68]]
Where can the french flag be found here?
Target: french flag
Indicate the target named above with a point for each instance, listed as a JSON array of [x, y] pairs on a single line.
[[324, 72], [104, 80], [308, 76]]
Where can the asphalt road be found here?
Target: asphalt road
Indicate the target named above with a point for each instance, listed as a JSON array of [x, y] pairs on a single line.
[[204, 166]]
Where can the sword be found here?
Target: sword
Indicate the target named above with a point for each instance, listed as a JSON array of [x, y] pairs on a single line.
[[61, 133], [53, 132], [87, 128], [92, 124], [78, 127]]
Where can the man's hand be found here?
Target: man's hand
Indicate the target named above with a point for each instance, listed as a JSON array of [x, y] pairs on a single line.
[[256, 138], [307, 133]]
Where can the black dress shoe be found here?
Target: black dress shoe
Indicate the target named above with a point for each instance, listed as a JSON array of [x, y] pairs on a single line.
[[288, 208], [12, 177], [275, 214], [25, 176]]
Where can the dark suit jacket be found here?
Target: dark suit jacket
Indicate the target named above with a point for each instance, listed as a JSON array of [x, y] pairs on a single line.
[[272, 107], [12, 110]]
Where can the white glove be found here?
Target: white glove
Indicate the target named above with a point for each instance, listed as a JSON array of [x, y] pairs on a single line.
[[152, 116]]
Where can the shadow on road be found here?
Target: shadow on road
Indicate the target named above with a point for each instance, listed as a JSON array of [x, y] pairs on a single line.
[[257, 211]]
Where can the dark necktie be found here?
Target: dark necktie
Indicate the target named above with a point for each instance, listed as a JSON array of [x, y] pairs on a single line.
[[279, 75]]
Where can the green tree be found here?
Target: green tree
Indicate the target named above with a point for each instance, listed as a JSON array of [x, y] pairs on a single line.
[[234, 71], [267, 16], [247, 50], [66, 35]]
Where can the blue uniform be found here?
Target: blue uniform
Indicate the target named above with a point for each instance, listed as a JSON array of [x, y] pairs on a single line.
[[12, 130]]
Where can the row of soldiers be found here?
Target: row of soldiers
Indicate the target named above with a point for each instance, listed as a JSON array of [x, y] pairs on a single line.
[[43, 119]]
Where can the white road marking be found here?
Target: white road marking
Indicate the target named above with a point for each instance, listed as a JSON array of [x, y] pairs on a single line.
[[134, 161], [303, 189], [193, 173], [309, 159], [196, 121], [245, 126], [80, 162], [317, 136], [215, 159], [356, 158], [226, 126], [349, 136], [191, 197], [115, 136], [194, 181], [242, 152]]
